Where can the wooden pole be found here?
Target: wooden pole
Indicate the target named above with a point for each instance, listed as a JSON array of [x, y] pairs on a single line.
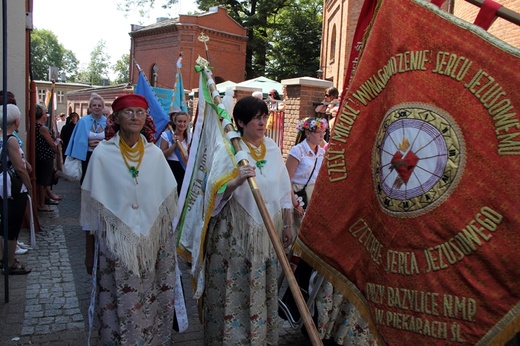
[[273, 234]]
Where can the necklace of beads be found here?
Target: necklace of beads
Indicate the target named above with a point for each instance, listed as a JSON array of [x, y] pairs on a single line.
[[132, 155], [258, 154]]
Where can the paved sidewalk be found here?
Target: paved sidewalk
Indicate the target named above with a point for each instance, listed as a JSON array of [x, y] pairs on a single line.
[[49, 305]]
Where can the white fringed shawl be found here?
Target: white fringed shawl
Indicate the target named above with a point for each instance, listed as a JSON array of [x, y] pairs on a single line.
[[275, 187], [133, 219]]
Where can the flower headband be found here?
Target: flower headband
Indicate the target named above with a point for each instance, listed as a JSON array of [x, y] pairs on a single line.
[[312, 124]]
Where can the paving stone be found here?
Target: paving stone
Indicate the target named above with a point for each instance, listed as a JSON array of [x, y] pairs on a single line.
[[49, 306]]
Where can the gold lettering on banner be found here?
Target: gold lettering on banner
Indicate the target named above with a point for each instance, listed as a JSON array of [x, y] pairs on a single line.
[[400, 63], [403, 263], [363, 233], [375, 293], [459, 307], [434, 329], [415, 306], [413, 300], [493, 97], [336, 168], [452, 65], [464, 242]]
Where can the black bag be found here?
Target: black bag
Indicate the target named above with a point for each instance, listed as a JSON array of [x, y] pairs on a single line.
[[303, 194], [16, 182]]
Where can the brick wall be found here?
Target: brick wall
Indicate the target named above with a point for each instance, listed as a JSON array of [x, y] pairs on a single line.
[[302, 93], [501, 28]]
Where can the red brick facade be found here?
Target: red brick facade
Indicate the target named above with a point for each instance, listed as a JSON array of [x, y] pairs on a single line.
[[340, 20], [159, 45]]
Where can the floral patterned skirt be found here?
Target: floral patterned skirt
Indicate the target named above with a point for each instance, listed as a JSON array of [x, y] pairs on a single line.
[[339, 320], [240, 301], [135, 310]]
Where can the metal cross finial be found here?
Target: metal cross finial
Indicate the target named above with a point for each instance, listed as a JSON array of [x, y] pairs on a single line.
[[204, 39]]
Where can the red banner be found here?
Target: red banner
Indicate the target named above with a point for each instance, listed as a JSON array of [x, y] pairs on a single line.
[[415, 214]]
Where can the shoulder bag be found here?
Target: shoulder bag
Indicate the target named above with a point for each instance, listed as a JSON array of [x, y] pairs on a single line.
[[302, 194]]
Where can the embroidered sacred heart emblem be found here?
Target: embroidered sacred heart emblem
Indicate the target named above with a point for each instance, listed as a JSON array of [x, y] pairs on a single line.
[[404, 166]]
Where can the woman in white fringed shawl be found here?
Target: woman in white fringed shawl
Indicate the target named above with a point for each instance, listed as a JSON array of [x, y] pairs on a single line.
[[240, 300], [129, 198]]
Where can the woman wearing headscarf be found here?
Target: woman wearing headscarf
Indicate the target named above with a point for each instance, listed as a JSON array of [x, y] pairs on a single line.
[[129, 199], [240, 300]]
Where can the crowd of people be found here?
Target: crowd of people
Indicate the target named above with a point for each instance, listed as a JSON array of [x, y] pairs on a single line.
[[130, 242]]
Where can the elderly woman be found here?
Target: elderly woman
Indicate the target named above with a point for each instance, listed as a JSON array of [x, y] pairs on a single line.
[[88, 132], [129, 199], [17, 203], [240, 298]]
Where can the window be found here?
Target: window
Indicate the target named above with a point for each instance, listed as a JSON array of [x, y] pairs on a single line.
[[332, 52], [60, 96], [41, 95]]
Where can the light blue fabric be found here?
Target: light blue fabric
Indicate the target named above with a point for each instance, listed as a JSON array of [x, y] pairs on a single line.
[[78, 144]]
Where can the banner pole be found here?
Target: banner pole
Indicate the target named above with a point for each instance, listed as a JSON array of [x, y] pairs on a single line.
[[269, 225]]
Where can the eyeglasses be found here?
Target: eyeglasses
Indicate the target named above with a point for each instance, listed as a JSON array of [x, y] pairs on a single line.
[[327, 95], [130, 113]]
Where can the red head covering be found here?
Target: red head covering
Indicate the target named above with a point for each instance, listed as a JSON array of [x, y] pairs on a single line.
[[125, 101], [129, 100]]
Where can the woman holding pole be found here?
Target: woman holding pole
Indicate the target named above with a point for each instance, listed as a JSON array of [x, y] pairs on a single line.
[[240, 302]]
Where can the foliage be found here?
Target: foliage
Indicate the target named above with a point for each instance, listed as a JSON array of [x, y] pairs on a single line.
[[96, 72], [70, 65], [277, 30], [122, 69], [294, 48], [46, 51]]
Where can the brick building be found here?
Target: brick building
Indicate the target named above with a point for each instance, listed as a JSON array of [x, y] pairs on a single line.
[[340, 20], [156, 48]]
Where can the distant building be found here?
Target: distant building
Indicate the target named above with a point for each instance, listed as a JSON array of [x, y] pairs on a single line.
[[60, 89], [156, 48]]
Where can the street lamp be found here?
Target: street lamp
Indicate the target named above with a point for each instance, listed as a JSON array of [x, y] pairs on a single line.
[[319, 73]]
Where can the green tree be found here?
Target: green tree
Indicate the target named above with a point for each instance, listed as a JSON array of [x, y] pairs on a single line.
[[70, 65], [46, 51], [122, 69], [97, 69], [267, 21], [254, 15], [294, 47]]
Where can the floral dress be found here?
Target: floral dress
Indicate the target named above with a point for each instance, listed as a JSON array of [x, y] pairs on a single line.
[[339, 320]]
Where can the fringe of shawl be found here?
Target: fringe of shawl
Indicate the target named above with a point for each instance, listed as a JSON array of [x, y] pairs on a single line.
[[253, 237], [137, 253]]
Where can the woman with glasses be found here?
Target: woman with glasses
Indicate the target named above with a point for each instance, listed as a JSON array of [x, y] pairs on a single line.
[[88, 132], [129, 199]]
